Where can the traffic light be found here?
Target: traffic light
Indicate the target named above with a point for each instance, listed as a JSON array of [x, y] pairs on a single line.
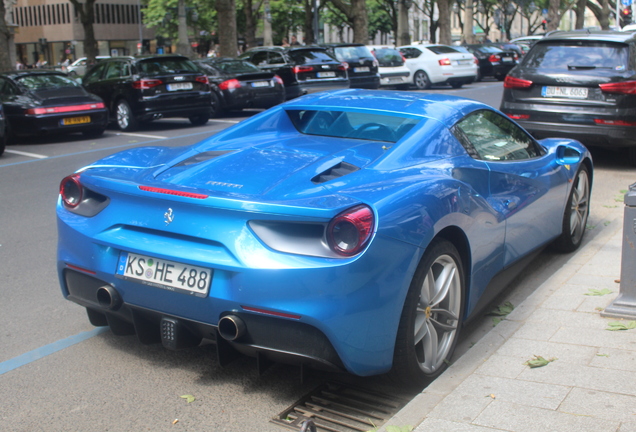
[[626, 16]]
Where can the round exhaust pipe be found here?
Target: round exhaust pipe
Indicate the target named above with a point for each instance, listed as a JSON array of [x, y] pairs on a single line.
[[231, 327], [108, 297]]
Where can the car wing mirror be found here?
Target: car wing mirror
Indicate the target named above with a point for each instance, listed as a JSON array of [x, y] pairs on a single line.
[[567, 155]]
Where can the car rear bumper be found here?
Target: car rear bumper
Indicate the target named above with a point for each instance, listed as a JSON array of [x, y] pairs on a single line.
[[182, 105], [317, 85], [52, 123], [365, 82]]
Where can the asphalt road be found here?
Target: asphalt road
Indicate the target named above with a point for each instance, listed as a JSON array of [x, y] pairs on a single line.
[[58, 373]]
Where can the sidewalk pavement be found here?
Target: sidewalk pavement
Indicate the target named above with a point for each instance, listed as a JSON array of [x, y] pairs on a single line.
[[589, 386]]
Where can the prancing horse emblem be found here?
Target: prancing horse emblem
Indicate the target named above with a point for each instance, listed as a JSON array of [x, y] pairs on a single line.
[[168, 217]]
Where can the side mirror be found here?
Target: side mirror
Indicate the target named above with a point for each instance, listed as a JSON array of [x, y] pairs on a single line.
[[567, 155]]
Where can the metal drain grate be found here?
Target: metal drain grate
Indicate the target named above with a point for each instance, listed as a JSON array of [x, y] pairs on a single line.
[[341, 408]]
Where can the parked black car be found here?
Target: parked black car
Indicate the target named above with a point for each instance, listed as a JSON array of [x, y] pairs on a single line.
[[507, 46], [579, 85], [144, 88], [493, 61], [38, 102], [303, 69], [362, 66], [238, 84]]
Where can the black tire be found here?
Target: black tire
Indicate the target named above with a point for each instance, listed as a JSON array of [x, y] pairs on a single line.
[[3, 141], [421, 80], [216, 105], [576, 212], [456, 85], [124, 116], [631, 156], [94, 133], [431, 318], [199, 120]]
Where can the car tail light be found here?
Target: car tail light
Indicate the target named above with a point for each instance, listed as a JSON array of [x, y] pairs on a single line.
[[349, 232], [344, 66], [230, 84], [403, 58], [301, 69], [516, 57], [172, 192], [626, 87], [202, 79], [445, 62], [376, 64], [278, 80], [64, 109], [144, 84], [519, 116], [494, 58], [614, 122], [476, 60], [512, 82], [71, 191]]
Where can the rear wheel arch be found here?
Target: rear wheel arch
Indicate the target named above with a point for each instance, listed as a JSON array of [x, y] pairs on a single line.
[[458, 238]]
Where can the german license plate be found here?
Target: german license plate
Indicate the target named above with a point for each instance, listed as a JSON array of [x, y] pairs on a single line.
[[160, 273], [179, 86], [464, 62], [76, 120], [506, 59], [326, 74], [361, 69], [564, 92], [260, 84]]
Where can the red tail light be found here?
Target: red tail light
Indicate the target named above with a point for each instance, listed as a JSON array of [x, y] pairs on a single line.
[[301, 69], [71, 191], [65, 109], [519, 116], [278, 80], [344, 66], [173, 192], [476, 60], [512, 82], [445, 62], [202, 79], [516, 57], [144, 84], [626, 87], [494, 58], [614, 122], [350, 231], [230, 84]]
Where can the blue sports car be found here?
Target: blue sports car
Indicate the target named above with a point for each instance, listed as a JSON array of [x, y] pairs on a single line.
[[352, 230]]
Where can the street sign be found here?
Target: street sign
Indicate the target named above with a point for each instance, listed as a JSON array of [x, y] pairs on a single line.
[[626, 2]]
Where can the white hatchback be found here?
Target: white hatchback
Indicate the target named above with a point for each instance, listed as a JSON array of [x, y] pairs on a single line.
[[392, 69], [439, 64]]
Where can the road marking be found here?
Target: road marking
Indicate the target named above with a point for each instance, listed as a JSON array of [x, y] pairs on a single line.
[[142, 135], [21, 153], [38, 353]]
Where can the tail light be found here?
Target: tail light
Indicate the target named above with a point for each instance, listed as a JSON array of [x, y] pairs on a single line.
[[349, 232], [626, 87], [519, 116], [65, 109], [512, 82], [230, 84], [71, 191], [476, 60], [301, 69], [376, 64], [403, 58], [202, 79], [614, 122], [278, 80], [516, 57], [344, 66], [144, 84], [494, 58], [172, 192], [445, 62]]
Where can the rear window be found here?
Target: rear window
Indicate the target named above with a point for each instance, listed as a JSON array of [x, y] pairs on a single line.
[[310, 56], [45, 82], [354, 125], [169, 65], [388, 57], [573, 55], [352, 53], [235, 67], [442, 49]]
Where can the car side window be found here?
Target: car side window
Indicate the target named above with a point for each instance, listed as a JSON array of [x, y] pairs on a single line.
[[276, 58], [116, 70], [490, 136], [95, 74], [260, 58], [410, 53]]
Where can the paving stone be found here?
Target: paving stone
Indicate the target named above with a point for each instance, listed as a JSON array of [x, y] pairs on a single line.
[[433, 424], [604, 405], [460, 407], [521, 418], [502, 366], [565, 352], [591, 280], [516, 391], [567, 318], [593, 304], [599, 337], [628, 427], [610, 358], [537, 331], [563, 302]]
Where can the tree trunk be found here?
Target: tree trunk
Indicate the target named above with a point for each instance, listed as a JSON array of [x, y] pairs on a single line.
[[5, 37], [226, 14], [360, 21], [605, 12], [183, 44], [308, 24], [86, 13], [468, 35], [554, 18], [250, 24], [444, 22], [403, 34]]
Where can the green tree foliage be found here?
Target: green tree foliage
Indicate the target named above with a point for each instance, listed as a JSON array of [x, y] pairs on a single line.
[[287, 17], [161, 15]]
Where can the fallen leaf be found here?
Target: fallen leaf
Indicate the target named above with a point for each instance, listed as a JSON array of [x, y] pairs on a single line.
[[618, 325], [502, 309], [617, 281], [596, 292], [538, 361], [602, 355], [188, 398], [600, 309]]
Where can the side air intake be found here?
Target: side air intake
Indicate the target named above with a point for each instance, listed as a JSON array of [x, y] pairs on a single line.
[[336, 171]]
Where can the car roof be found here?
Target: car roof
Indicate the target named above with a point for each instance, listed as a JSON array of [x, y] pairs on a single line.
[[25, 72], [596, 35], [342, 44]]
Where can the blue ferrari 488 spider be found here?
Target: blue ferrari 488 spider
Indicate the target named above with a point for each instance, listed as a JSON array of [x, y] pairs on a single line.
[[350, 230]]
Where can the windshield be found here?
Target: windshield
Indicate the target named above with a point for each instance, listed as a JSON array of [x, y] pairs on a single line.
[[569, 55], [236, 67], [388, 57], [355, 125], [310, 56], [159, 66], [41, 82]]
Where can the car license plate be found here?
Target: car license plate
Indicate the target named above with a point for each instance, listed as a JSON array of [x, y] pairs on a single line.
[[464, 62], [326, 74], [76, 120], [506, 59], [361, 69], [179, 86], [565, 92], [160, 273], [260, 84]]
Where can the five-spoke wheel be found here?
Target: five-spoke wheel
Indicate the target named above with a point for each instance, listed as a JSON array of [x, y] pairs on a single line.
[[576, 211]]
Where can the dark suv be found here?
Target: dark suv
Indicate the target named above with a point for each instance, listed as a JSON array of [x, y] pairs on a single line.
[[144, 88], [303, 69], [579, 85], [362, 65]]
